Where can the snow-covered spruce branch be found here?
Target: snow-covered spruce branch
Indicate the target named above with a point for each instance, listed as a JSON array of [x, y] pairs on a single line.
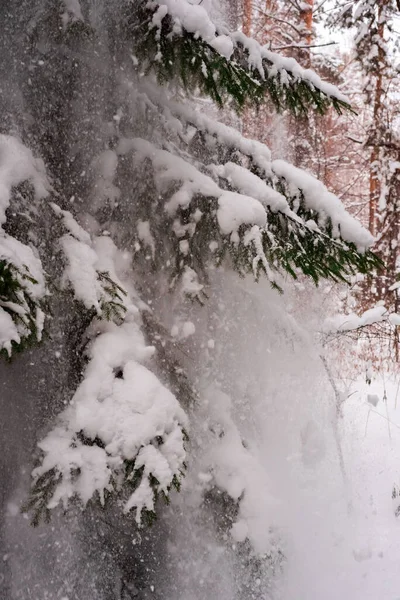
[[343, 324], [87, 270], [182, 41], [21, 297], [22, 281], [123, 432], [279, 216]]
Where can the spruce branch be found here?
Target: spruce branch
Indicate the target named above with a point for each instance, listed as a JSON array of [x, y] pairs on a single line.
[[199, 67], [20, 304]]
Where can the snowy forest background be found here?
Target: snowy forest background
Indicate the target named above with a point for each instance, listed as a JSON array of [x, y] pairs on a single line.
[[199, 299]]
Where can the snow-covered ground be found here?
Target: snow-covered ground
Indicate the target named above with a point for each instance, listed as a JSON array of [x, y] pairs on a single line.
[[345, 535]]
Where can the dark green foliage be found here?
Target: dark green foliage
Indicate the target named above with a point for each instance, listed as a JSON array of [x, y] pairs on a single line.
[[112, 306], [200, 68], [296, 249], [41, 493], [289, 246], [14, 297], [123, 482]]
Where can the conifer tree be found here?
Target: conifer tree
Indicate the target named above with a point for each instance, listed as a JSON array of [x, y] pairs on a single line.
[[265, 217], [118, 191]]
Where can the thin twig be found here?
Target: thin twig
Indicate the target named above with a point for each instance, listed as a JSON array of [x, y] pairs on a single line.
[[383, 417], [306, 47], [397, 393]]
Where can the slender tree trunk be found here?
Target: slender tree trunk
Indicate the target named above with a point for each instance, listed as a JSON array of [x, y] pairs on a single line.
[[302, 129], [374, 187], [247, 17], [374, 184], [306, 23], [247, 24]]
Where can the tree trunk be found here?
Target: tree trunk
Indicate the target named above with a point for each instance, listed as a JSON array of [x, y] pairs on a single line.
[[306, 23], [247, 17], [374, 184]]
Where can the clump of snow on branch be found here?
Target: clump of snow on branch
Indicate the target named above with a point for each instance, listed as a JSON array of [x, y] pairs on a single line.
[[17, 165], [234, 209], [352, 321], [81, 271], [123, 430], [89, 269]]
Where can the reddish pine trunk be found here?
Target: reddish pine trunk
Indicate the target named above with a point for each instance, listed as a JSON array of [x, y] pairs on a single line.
[[301, 126], [306, 20], [374, 188], [374, 185], [247, 17]]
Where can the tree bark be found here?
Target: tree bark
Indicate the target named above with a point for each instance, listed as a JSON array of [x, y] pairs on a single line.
[[306, 22], [374, 184], [247, 17]]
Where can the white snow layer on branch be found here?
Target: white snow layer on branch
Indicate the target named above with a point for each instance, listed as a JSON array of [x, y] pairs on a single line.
[[316, 196], [82, 262], [234, 209], [23, 258], [86, 261], [255, 193], [225, 135], [170, 169], [195, 19], [71, 224], [121, 403], [341, 323], [255, 187], [81, 271], [29, 274], [17, 165]]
